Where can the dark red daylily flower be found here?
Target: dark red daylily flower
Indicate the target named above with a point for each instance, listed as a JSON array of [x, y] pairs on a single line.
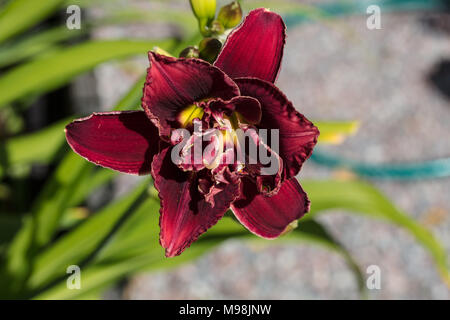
[[179, 92]]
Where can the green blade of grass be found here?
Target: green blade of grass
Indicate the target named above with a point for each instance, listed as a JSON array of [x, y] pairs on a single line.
[[19, 15], [79, 245], [37, 147], [135, 248], [58, 68], [47, 210]]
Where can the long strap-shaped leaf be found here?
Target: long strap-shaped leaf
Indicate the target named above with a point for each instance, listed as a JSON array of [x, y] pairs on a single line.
[[37, 147], [135, 248], [58, 68], [130, 250], [18, 15], [37, 43], [361, 198], [79, 245], [44, 41], [63, 189]]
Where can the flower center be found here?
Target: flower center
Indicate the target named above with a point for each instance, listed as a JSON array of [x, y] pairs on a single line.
[[213, 141]]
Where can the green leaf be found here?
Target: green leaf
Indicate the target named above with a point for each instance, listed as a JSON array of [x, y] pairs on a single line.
[[79, 245], [98, 276], [55, 197], [137, 235], [34, 44], [37, 147], [81, 184], [39, 226], [72, 181], [334, 132], [19, 15], [9, 224], [48, 40], [17, 266], [58, 68], [135, 248], [63, 189], [362, 198]]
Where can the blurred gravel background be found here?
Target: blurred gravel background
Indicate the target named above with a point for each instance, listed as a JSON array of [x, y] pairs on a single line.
[[335, 70]]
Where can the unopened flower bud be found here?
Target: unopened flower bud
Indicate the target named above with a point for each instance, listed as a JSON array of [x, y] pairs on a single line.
[[209, 49], [230, 15], [160, 51], [205, 11], [217, 28], [189, 52]]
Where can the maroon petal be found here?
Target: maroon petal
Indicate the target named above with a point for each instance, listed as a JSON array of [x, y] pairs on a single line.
[[185, 214], [265, 167], [174, 84], [248, 107], [122, 141], [298, 135], [268, 217], [255, 48]]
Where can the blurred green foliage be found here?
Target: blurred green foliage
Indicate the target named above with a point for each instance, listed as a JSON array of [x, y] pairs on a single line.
[[56, 229]]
